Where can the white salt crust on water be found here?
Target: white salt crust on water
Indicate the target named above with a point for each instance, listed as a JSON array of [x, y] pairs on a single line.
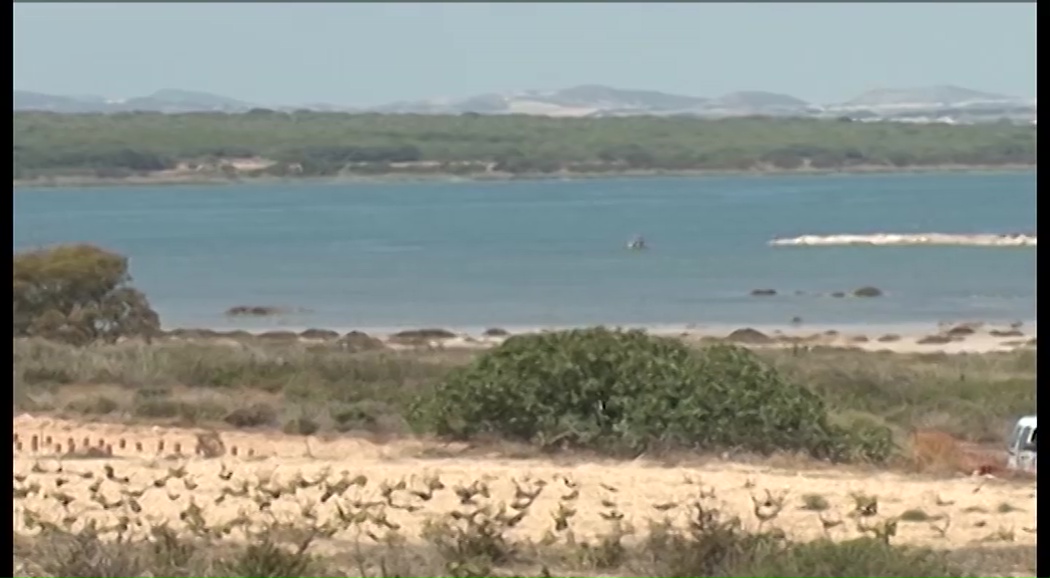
[[1018, 240]]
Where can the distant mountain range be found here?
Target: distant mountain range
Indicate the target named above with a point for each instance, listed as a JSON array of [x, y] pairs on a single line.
[[944, 103], [167, 101]]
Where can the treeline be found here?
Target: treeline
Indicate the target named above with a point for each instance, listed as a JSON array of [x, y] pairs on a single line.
[[325, 144]]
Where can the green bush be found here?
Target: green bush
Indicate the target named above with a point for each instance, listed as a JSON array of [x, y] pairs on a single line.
[[617, 390], [189, 412], [78, 294], [267, 559], [857, 557], [302, 425], [93, 405], [254, 415], [84, 555], [714, 544], [862, 438], [711, 544]]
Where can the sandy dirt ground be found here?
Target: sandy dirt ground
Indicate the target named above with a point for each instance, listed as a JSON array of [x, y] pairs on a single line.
[[977, 511]]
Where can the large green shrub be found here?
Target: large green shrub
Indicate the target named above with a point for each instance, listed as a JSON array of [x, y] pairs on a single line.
[[625, 390], [78, 294]]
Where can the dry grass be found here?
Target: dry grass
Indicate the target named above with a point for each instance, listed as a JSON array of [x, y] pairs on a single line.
[[973, 397], [938, 452]]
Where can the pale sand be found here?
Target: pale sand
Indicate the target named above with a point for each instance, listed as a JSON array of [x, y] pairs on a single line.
[[973, 508], [861, 337], [897, 239]]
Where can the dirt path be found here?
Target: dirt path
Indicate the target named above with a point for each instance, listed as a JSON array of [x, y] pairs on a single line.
[[980, 511]]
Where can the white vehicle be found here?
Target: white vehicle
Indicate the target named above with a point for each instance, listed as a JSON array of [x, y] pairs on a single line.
[[1022, 445]]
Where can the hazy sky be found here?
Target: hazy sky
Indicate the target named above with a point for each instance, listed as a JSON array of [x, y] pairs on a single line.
[[367, 54]]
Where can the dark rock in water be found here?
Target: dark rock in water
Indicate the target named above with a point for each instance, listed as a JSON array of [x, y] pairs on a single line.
[[935, 340], [867, 292], [496, 332], [796, 320], [424, 334], [763, 292], [859, 339], [359, 341], [1006, 333], [889, 338], [325, 334], [253, 311], [749, 336], [838, 294]]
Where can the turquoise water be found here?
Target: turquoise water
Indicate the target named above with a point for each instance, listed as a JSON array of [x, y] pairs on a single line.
[[516, 254]]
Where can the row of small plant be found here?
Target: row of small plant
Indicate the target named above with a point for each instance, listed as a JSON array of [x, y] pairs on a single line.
[[713, 545], [719, 550], [476, 537]]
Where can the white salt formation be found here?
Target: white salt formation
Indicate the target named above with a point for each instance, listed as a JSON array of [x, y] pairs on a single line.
[[1009, 240]]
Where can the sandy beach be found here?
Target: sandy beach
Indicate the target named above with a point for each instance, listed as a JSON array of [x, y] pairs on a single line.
[[186, 178]]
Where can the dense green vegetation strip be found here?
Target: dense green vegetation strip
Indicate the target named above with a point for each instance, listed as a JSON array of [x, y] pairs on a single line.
[[325, 144]]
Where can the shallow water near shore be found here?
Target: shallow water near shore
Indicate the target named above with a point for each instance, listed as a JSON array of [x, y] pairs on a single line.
[[552, 253]]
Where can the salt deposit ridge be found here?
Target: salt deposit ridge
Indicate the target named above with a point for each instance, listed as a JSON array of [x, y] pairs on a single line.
[[1009, 240]]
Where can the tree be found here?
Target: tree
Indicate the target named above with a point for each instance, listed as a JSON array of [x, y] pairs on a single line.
[[78, 294]]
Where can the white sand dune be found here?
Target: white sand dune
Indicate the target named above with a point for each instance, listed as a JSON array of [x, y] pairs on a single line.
[[983, 240]]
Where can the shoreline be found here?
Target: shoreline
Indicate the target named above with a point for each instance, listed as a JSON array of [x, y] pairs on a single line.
[[400, 178], [974, 337]]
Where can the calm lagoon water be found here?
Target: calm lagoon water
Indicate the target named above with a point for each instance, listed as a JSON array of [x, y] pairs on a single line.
[[552, 253]]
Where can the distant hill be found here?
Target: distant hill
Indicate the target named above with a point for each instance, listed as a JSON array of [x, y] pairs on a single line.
[[172, 100], [166, 101], [582, 100], [593, 95], [944, 95], [27, 100], [926, 104], [759, 99]]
